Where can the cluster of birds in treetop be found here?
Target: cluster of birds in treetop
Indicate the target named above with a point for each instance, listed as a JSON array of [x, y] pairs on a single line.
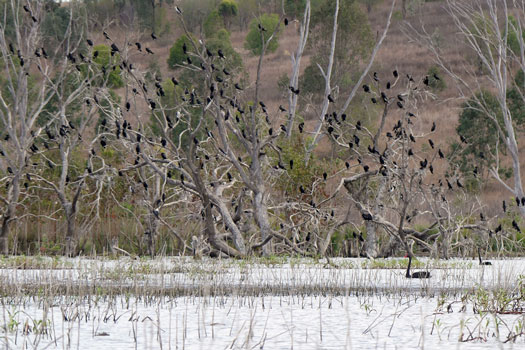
[[123, 128]]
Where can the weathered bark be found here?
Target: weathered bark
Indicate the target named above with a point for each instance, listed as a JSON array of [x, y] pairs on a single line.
[[296, 65], [9, 214], [261, 218]]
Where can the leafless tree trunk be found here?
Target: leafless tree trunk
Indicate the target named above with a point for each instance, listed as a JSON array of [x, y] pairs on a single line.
[[317, 132], [296, 65]]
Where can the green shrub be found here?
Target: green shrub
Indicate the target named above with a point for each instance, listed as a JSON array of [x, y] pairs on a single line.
[[254, 41], [212, 24], [106, 63], [177, 55], [433, 83]]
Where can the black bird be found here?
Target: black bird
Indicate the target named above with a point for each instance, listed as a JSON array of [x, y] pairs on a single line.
[[163, 155], [294, 90], [221, 54], [367, 216], [237, 86], [433, 128], [384, 97], [9, 170], [449, 185], [106, 35], [153, 36], [358, 125], [441, 155], [375, 76], [261, 28], [184, 48], [366, 88], [436, 76], [498, 229], [26, 9], [388, 85], [395, 73], [114, 48], [103, 143], [89, 42], [325, 175], [301, 189], [301, 127], [418, 274], [463, 139], [423, 164], [486, 263], [137, 148], [425, 81], [330, 99], [128, 106], [366, 168], [431, 143], [148, 50], [399, 104], [139, 46], [285, 21], [459, 183], [515, 225], [291, 164], [374, 100]]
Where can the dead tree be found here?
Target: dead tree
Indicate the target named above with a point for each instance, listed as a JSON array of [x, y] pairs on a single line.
[[486, 26]]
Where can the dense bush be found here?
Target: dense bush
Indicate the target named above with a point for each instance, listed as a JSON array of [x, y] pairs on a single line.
[[254, 40]]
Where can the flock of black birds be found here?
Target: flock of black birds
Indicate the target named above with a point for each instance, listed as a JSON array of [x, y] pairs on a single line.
[[123, 128]]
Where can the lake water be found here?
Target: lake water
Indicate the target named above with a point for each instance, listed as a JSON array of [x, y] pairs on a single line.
[[180, 304]]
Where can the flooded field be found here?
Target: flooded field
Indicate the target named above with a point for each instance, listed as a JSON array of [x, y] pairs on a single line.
[[178, 303]]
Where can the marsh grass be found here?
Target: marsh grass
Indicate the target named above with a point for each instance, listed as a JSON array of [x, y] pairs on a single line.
[[280, 303]]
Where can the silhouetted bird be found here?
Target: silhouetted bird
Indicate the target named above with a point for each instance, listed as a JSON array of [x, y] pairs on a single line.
[[395, 73], [459, 183], [425, 81], [238, 87], [153, 36], [221, 54], [431, 143], [399, 104], [325, 175], [285, 21], [367, 216], [441, 155], [515, 225], [301, 127], [9, 170], [463, 139], [89, 42], [291, 164], [366, 88], [330, 99], [106, 35], [148, 50], [418, 274]]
